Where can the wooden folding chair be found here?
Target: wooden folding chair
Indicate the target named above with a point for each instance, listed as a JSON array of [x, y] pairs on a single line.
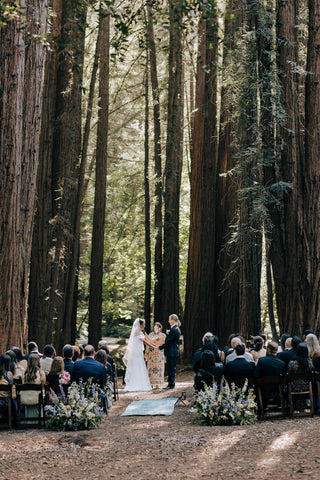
[[263, 402], [115, 383], [305, 390], [29, 421], [7, 390]]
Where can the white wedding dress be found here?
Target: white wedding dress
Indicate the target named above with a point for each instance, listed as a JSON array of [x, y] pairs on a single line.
[[136, 377]]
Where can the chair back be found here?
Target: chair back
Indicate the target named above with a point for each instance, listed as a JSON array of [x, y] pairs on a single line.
[[7, 391], [30, 387]]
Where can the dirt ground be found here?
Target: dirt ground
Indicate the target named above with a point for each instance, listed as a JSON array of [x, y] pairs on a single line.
[[174, 447]]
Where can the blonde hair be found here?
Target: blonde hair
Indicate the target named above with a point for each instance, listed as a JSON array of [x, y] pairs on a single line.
[[236, 341], [312, 344], [175, 318]]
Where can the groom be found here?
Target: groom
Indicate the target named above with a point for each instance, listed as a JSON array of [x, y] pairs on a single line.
[[171, 349]]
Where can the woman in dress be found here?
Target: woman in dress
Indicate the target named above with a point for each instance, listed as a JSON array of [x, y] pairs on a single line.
[[300, 364], [32, 375], [258, 350], [57, 374], [155, 357], [136, 377]]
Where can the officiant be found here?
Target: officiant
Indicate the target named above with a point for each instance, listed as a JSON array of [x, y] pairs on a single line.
[[171, 349]]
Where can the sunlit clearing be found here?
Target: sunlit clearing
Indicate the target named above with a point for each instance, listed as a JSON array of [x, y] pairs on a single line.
[[273, 453]]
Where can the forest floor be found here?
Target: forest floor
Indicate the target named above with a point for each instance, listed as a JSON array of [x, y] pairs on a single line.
[[174, 447]]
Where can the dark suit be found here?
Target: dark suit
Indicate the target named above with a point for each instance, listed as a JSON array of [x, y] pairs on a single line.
[[89, 368], [269, 366], [286, 355], [197, 356], [171, 351], [238, 370], [68, 365]]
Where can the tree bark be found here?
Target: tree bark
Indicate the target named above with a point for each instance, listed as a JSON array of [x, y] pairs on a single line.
[[97, 252], [200, 298], [227, 276], [21, 83], [157, 170], [173, 168], [147, 292], [310, 264], [57, 183]]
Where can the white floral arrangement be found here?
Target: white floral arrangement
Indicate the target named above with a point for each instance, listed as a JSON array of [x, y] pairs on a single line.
[[79, 410], [225, 405]]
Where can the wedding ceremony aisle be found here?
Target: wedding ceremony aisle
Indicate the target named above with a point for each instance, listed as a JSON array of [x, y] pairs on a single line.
[[171, 447]]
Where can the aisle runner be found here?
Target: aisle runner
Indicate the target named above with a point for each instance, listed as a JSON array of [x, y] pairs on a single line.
[[161, 406]]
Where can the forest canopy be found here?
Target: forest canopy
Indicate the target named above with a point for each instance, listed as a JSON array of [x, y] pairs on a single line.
[[158, 156]]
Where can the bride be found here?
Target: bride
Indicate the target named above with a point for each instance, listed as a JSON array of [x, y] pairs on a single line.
[[136, 377]]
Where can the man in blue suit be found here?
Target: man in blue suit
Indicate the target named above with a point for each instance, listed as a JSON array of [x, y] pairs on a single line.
[[89, 368], [171, 349]]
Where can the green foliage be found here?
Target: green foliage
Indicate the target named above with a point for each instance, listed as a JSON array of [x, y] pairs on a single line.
[[8, 12]]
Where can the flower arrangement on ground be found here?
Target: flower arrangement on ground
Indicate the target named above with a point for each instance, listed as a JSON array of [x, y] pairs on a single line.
[[225, 405], [79, 410]]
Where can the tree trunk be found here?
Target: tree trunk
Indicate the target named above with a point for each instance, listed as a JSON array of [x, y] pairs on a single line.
[[57, 182], [41, 325], [21, 83], [310, 264], [157, 171], [200, 298], [147, 293], [250, 243], [97, 252], [284, 233], [227, 277], [173, 168]]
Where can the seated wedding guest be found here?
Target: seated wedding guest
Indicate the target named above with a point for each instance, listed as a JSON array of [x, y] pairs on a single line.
[[6, 378], [282, 346], [209, 371], [48, 355], [269, 366], [89, 368], [216, 342], [312, 344], [103, 344], [300, 364], [258, 350], [67, 358], [288, 353], [32, 348], [33, 375], [21, 362], [58, 374], [102, 357], [227, 350], [76, 353], [13, 361], [232, 356], [305, 333], [240, 368], [106, 393], [207, 344]]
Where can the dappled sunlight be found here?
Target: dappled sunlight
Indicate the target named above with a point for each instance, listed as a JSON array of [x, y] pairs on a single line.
[[273, 454], [219, 444]]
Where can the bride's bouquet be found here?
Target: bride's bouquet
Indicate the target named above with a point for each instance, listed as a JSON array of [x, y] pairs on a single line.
[[225, 405]]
